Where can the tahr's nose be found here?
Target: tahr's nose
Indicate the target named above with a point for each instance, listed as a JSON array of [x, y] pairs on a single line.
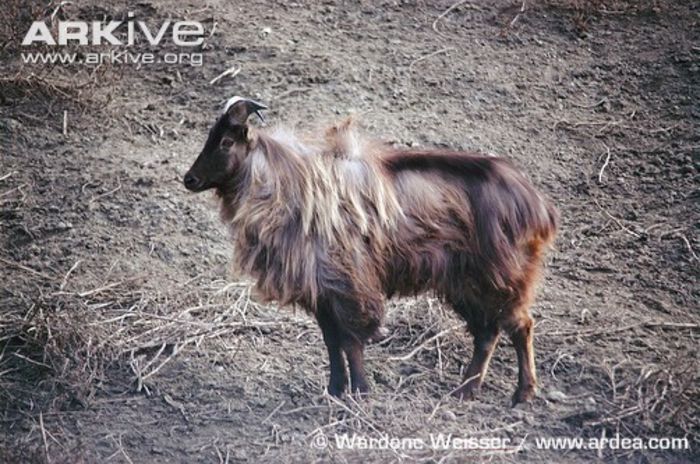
[[191, 182]]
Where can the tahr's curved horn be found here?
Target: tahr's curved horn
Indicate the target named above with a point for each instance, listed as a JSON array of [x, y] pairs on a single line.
[[239, 109]]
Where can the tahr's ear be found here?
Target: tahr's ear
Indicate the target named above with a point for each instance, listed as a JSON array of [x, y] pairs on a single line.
[[238, 109]]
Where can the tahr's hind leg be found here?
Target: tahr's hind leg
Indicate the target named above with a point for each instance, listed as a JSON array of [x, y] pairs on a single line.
[[519, 325], [485, 341], [515, 320]]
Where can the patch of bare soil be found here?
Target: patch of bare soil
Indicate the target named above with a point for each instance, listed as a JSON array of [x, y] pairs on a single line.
[[123, 337]]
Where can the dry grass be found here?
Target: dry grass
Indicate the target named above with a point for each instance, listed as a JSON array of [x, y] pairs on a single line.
[[46, 85], [16, 19], [68, 347], [66, 341]]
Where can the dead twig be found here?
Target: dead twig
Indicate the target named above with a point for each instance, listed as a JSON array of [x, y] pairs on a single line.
[[588, 123], [8, 175], [556, 363], [26, 268], [121, 449], [605, 164], [622, 226], [12, 190], [176, 351], [608, 124], [447, 11], [102, 195], [58, 7], [355, 414], [177, 405], [466, 381], [429, 55], [522, 10], [617, 221], [232, 71], [687, 244], [621, 415], [590, 106], [204, 42], [70, 271], [100, 289], [648, 324], [291, 92], [274, 411], [43, 437], [423, 345]]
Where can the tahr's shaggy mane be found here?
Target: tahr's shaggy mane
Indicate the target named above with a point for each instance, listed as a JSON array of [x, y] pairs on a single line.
[[338, 222], [310, 215]]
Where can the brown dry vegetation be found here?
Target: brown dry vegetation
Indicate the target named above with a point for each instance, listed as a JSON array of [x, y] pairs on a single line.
[[124, 337], [54, 85]]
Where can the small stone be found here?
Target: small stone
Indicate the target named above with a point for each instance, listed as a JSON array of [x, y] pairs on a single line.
[[449, 416], [11, 125], [523, 415], [522, 407], [556, 395]]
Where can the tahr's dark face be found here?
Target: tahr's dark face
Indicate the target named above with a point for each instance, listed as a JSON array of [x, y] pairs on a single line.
[[225, 148]]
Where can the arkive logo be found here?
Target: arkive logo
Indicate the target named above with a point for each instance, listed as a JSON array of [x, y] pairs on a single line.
[[183, 33]]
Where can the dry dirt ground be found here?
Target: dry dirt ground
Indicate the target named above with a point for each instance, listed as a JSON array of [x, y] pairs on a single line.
[[124, 338]]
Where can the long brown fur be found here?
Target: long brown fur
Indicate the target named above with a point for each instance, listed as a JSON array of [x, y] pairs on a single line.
[[338, 223]]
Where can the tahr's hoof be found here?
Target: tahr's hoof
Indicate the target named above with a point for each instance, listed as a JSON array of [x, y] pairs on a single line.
[[466, 393], [360, 389], [524, 395], [336, 390], [379, 335]]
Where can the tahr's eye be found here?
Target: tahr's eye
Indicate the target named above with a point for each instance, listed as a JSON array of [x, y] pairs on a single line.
[[226, 143]]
